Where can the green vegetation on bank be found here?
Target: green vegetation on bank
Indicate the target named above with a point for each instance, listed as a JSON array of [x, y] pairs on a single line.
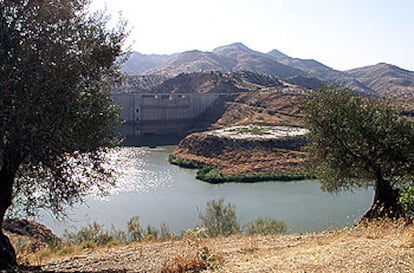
[[218, 219], [212, 174], [189, 164]]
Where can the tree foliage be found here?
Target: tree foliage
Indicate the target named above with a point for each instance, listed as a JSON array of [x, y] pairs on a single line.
[[57, 66], [359, 141]]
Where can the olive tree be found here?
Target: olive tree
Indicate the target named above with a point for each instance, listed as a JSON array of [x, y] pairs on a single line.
[[58, 61], [356, 142]]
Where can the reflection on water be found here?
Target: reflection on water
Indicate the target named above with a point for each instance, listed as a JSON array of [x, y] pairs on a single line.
[[158, 192], [137, 170]]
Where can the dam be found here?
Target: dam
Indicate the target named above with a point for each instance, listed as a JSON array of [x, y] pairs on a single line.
[[160, 114]]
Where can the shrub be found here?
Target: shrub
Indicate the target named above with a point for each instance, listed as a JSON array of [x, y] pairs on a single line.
[[185, 163], [151, 233], [265, 226], [92, 233], [134, 230], [219, 219], [165, 234], [210, 174], [407, 200]]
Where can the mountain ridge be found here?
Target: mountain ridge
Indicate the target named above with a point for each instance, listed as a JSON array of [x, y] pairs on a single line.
[[373, 80]]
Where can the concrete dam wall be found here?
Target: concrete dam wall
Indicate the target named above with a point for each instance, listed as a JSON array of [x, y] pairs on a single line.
[[149, 114]]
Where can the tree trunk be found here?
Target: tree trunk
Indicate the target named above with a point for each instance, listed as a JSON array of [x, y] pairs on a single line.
[[386, 203], [7, 253]]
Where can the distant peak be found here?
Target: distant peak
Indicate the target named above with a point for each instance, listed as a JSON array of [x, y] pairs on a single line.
[[194, 51], [239, 46], [384, 64], [277, 54]]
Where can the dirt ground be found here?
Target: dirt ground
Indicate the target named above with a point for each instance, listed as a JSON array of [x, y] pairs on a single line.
[[376, 247]]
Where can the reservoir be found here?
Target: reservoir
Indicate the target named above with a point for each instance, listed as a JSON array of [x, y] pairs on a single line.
[[158, 192]]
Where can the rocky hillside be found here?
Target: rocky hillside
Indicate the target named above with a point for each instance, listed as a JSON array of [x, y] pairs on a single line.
[[378, 80], [205, 82], [322, 72], [139, 63], [389, 80], [218, 82], [246, 151]]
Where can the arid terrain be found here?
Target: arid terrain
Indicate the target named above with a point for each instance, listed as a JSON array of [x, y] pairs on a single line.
[[375, 247]]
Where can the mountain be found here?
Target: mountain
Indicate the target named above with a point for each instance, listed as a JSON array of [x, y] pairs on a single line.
[[388, 80], [322, 72], [377, 80], [191, 61], [206, 82], [277, 55], [233, 57], [139, 63], [243, 58]]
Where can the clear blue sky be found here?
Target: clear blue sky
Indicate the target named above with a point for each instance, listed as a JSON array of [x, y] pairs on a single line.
[[342, 34]]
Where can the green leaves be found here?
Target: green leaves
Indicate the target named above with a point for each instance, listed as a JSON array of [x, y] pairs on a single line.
[[58, 65], [354, 138]]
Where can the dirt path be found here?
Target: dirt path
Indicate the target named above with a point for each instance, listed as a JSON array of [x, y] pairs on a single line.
[[376, 248]]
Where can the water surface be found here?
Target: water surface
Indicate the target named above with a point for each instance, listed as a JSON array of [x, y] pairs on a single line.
[[158, 192]]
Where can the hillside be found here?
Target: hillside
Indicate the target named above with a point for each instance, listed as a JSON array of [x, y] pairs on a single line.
[[139, 63], [243, 58], [204, 82], [218, 82], [322, 72], [377, 80], [244, 154], [252, 157], [191, 61], [389, 80], [375, 247]]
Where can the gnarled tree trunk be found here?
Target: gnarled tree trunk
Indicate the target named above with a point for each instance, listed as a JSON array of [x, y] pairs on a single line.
[[7, 253], [386, 203]]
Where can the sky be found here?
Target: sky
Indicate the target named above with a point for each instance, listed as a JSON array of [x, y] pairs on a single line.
[[342, 34]]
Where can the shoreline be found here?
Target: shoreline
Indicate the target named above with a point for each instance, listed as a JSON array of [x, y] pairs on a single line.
[[211, 174], [248, 154]]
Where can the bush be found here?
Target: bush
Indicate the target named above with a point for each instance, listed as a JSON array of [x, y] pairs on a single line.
[[91, 233], [213, 175], [165, 234], [266, 226], [189, 164], [219, 219], [407, 200], [210, 174], [134, 230]]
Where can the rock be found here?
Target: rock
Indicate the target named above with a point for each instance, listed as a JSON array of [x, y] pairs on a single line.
[[40, 234]]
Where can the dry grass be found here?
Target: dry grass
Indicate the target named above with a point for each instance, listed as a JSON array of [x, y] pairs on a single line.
[[240, 158], [370, 247], [202, 259]]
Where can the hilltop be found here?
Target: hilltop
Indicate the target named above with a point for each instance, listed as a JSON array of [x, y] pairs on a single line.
[[389, 80], [376, 80]]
